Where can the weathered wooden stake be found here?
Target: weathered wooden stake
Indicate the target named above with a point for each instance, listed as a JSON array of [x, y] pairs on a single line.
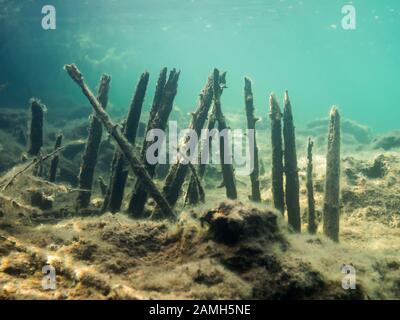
[[226, 166], [56, 159], [291, 170], [277, 154], [35, 127], [312, 225], [251, 124], [89, 158], [332, 179]]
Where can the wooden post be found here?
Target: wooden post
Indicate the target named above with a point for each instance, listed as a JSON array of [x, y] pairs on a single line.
[[251, 124], [55, 160], [89, 158], [227, 168], [35, 127], [277, 154], [332, 182], [291, 170], [312, 225]]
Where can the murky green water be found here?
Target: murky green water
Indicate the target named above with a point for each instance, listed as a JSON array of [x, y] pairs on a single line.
[[296, 45]]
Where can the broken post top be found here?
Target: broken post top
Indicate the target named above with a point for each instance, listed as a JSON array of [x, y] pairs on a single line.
[[35, 126], [162, 79], [287, 108], [104, 88], [58, 140], [219, 82], [334, 123], [275, 113], [247, 83], [172, 80], [135, 109], [167, 95], [74, 73], [36, 103], [222, 80], [334, 114], [249, 103], [248, 91]]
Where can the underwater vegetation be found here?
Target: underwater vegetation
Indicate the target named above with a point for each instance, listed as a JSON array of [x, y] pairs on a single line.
[[192, 230]]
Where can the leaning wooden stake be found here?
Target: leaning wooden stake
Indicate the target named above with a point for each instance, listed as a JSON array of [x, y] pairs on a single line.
[[251, 124], [291, 170], [119, 172], [89, 158], [35, 161], [277, 154], [55, 160], [226, 158], [136, 165], [312, 225], [35, 127], [332, 182], [177, 174], [205, 145], [163, 102]]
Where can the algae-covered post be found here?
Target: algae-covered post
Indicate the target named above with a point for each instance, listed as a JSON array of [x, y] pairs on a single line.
[[251, 124], [161, 108], [177, 173], [332, 182], [127, 149], [89, 158], [277, 154], [55, 160], [35, 127], [224, 150], [312, 225], [291, 170], [119, 171]]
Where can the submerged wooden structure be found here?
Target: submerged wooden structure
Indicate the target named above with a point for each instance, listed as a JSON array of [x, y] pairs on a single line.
[[285, 183]]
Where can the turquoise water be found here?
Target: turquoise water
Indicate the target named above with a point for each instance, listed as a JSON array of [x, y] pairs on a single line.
[[295, 45]]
